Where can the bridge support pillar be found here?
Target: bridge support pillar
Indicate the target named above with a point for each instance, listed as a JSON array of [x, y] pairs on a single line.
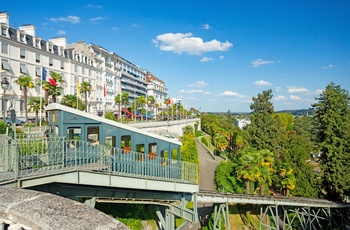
[[91, 202], [221, 210]]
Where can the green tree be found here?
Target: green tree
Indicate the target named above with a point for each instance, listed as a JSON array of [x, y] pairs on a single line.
[[248, 168], [85, 88], [25, 82], [36, 104], [125, 99], [332, 122], [266, 169], [151, 102], [288, 179], [264, 129], [118, 101], [73, 101]]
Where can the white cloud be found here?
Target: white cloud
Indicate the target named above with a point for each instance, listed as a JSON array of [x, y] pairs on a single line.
[[262, 83], [293, 97], [206, 93], [280, 98], [258, 62], [61, 32], [232, 94], [191, 91], [179, 42], [198, 84], [319, 91], [71, 19], [278, 89], [206, 26], [94, 6], [135, 25], [205, 59], [115, 28], [221, 57], [296, 89], [328, 67], [97, 19]]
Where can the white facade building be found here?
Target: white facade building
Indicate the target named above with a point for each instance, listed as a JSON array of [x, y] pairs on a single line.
[[24, 53]]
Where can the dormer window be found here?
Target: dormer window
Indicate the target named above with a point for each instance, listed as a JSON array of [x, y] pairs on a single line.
[[4, 31], [38, 43], [22, 38], [50, 47], [50, 61]]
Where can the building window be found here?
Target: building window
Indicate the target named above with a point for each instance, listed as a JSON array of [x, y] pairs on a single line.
[[24, 69], [5, 64], [75, 68], [82, 70], [23, 54], [38, 71], [37, 58], [62, 64], [5, 48], [22, 38], [50, 47], [50, 61], [3, 31]]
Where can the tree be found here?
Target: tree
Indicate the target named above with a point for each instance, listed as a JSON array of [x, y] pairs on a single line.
[[248, 168], [118, 101], [152, 102], [288, 179], [35, 104], [264, 129], [85, 88], [72, 101], [332, 123], [25, 82], [125, 99], [266, 169]]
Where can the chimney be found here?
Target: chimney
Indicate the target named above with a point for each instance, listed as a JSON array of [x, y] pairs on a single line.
[[28, 29], [4, 18], [59, 41]]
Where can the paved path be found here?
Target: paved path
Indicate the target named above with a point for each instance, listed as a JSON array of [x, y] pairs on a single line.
[[207, 182]]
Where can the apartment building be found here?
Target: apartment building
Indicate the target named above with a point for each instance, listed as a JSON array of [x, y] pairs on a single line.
[[157, 89], [22, 52]]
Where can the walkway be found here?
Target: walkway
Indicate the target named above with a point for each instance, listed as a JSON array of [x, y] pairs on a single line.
[[207, 167]]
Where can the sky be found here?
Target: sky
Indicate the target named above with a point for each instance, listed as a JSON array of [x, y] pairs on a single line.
[[213, 55]]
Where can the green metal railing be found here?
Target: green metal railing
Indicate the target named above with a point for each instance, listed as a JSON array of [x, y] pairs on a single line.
[[38, 156]]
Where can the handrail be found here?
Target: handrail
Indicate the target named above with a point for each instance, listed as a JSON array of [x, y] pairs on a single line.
[[37, 156]]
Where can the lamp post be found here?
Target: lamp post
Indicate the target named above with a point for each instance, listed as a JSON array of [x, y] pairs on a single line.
[[4, 85]]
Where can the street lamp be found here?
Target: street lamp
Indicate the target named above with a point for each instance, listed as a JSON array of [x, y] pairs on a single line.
[[4, 85]]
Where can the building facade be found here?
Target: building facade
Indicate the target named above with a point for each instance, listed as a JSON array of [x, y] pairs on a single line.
[[22, 52]]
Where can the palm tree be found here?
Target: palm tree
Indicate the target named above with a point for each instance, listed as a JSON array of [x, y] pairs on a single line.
[[52, 90], [85, 88], [141, 102], [35, 105], [266, 169], [25, 82], [72, 101], [288, 181], [118, 100], [125, 99], [248, 168]]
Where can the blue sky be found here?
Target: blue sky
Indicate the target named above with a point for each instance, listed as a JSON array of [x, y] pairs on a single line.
[[214, 55]]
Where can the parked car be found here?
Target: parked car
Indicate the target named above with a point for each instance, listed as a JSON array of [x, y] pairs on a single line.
[[18, 122]]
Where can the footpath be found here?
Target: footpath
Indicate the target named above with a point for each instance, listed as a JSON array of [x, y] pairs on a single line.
[[207, 166]]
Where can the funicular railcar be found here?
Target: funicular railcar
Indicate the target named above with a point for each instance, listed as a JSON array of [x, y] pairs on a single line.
[[116, 147]]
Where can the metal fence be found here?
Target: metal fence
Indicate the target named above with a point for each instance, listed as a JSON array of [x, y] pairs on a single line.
[[39, 156]]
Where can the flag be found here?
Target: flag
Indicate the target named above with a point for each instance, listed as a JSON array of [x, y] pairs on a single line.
[[169, 101], [45, 76], [104, 90]]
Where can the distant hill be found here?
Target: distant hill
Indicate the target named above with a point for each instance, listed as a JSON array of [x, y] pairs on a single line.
[[294, 112]]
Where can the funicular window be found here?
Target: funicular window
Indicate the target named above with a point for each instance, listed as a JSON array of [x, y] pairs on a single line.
[[111, 141], [140, 150], [93, 133], [164, 155], [152, 151], [73, 137], [125, 143], [174, 154]]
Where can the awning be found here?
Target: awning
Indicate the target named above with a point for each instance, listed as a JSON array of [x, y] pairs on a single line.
[[24, 70], [5, 65]]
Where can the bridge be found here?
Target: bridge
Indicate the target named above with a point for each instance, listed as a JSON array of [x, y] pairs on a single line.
[[98, 160]]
